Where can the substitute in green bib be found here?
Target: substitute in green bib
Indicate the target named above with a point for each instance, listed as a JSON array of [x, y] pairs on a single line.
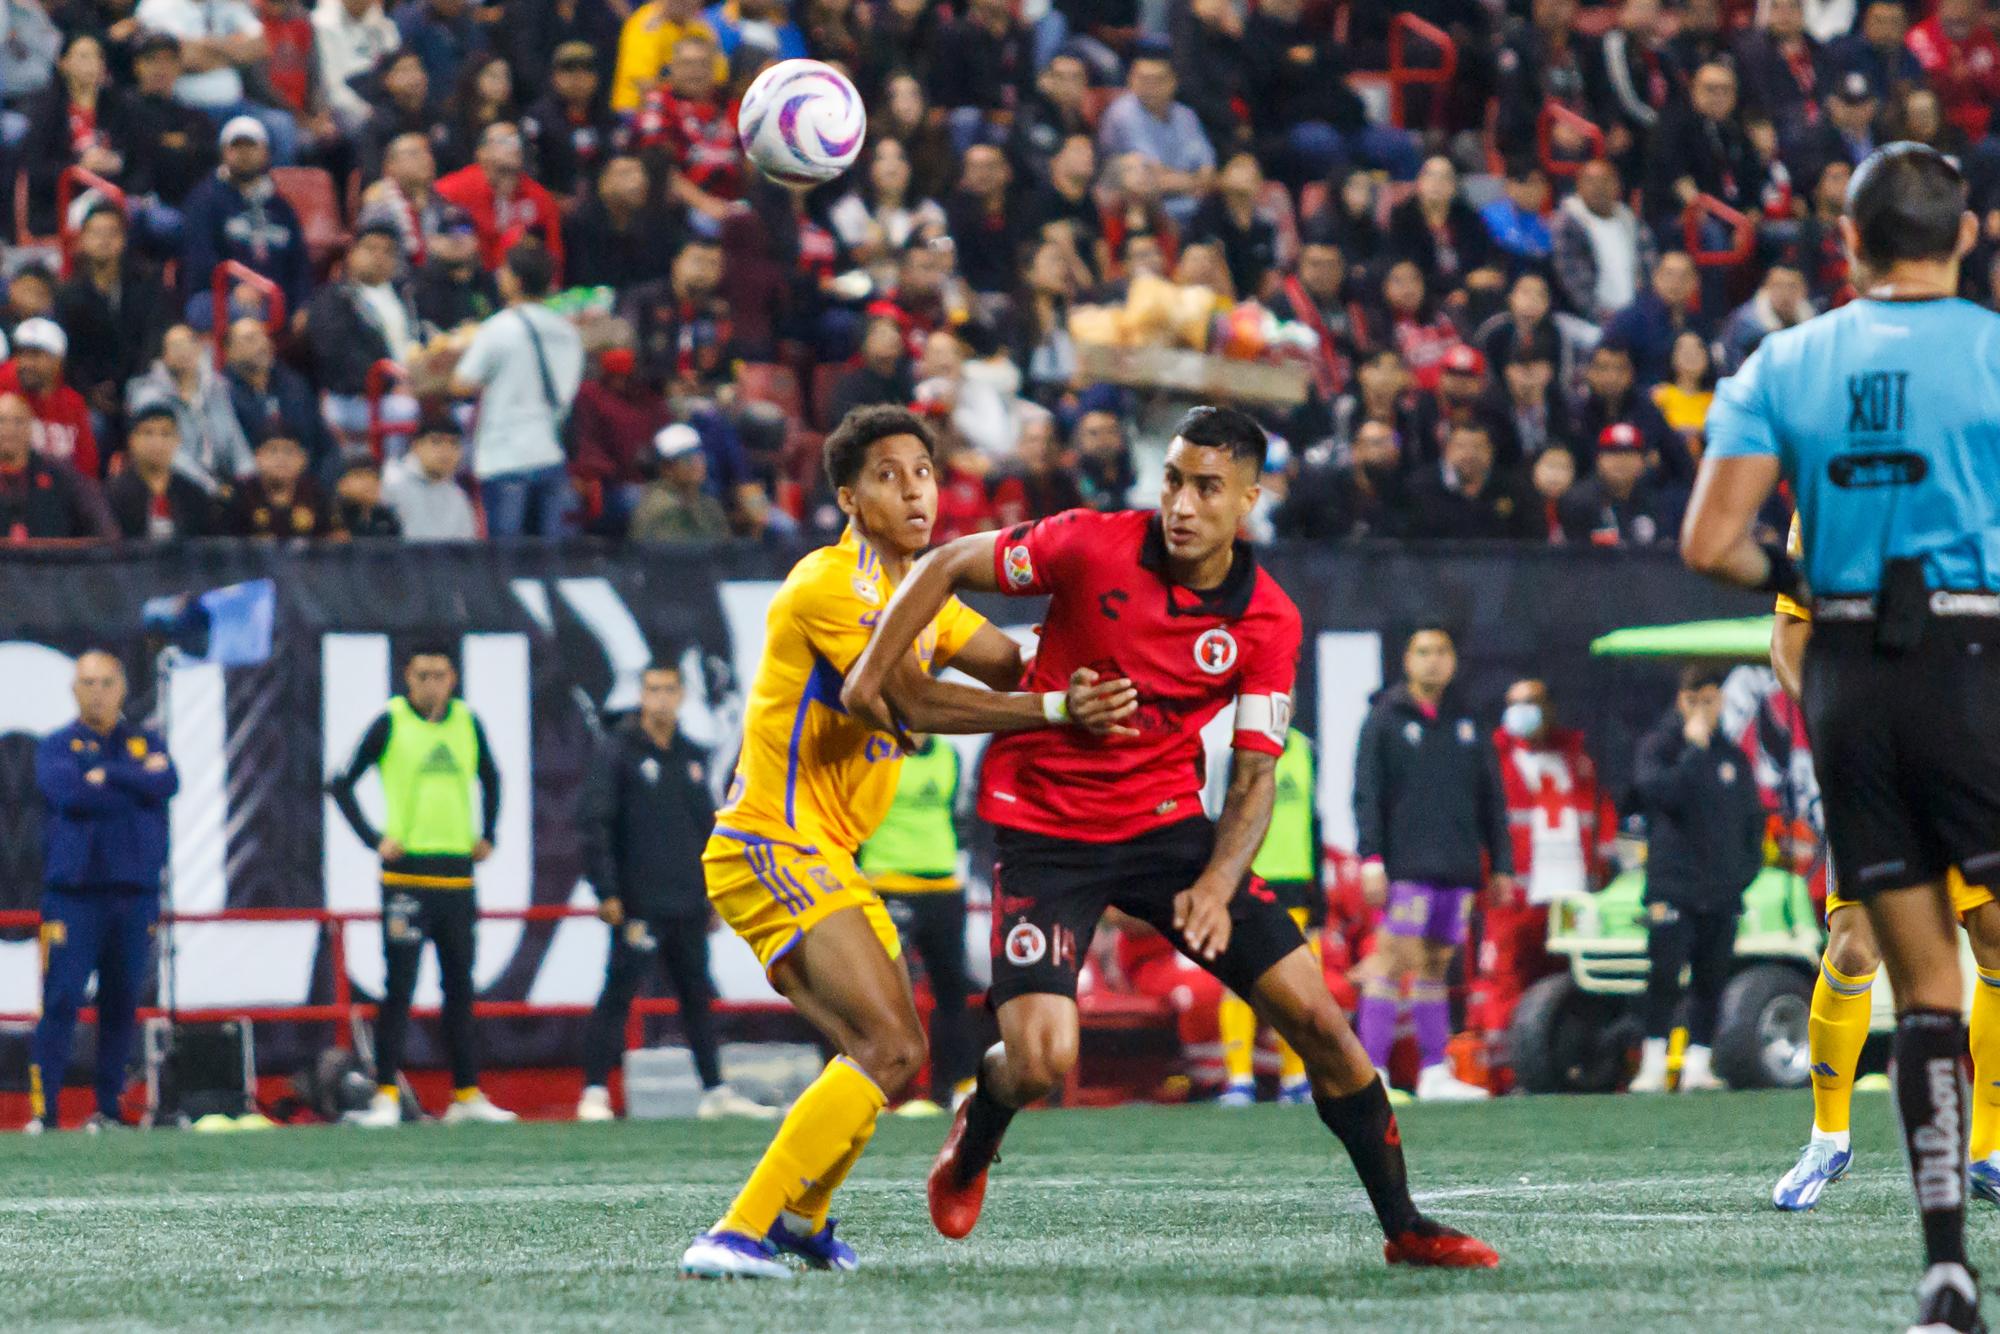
[[1289, 865], [441, 795], [912, 860]]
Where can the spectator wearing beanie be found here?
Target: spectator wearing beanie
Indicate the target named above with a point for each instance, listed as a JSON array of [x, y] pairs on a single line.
[[151, 499], [62, 430]]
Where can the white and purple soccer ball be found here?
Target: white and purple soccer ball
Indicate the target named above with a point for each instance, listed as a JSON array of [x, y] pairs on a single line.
[[801, 123]]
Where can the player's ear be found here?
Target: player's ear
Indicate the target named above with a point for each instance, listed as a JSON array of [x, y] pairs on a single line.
[[843, 496], [1968, 234]]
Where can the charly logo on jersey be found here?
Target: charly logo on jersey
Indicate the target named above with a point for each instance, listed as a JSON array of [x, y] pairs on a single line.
[[1726, 771], [1020, 566], [1026, 944], [649, 769], [1467, 733], [867, 589], [1215, 651]]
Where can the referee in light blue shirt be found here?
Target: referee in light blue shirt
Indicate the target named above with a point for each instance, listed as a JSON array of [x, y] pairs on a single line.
[[1884, 416]]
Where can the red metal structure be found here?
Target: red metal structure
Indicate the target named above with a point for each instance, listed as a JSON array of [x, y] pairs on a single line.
[[73, 181], [1404, 75], [1555, 114], [227, 275], [380, 376], [1743, 239]]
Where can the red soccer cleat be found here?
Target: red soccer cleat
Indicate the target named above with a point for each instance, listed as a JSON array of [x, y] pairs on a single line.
[[1440, 1248], [955, 1199]]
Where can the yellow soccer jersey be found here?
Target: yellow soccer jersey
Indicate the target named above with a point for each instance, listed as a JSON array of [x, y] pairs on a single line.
[[1795, 547], [808, 772]]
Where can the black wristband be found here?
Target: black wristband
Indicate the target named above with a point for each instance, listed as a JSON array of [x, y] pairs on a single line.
[[1784, 577]]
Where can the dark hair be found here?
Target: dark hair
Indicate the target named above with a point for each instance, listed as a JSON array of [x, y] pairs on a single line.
[[429, 648], [1906, 200], [532, 268], [1698, 675], [1226, 428], [104, 208], [1430, 628], [846, 448], [663, 665]]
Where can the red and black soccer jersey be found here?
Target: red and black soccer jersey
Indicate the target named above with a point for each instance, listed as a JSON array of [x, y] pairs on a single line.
[[1188, 653]]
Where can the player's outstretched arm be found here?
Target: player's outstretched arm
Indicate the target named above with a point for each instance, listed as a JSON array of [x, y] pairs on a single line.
[[1201, 911], [889, 690]]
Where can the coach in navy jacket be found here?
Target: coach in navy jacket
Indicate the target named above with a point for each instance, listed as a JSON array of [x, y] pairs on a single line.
[[105, 785]]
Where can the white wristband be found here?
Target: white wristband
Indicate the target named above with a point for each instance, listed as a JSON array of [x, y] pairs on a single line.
[[1055, 707]]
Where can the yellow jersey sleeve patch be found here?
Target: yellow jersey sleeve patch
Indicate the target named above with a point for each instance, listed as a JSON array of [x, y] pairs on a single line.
[[834, 615]]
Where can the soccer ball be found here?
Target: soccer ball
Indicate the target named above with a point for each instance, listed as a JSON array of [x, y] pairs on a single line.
[[801, 123]]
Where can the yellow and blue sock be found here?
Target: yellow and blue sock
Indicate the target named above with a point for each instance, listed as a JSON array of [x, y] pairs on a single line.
[[831, 1120], [1836, 1029], [1984, 1039]]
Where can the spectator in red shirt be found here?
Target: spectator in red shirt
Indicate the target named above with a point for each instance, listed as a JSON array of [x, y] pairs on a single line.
[[1962, 62], [504, 203], [617, 414], [1411, 323], [686, 130], [62, 419]]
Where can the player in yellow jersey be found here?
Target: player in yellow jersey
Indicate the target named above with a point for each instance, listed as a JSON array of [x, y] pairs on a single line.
[[812, 783], [1842, 997]]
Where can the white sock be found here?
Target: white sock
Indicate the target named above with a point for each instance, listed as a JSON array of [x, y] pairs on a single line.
[[1653, 1054], [798, 1224], [1837, 1138]]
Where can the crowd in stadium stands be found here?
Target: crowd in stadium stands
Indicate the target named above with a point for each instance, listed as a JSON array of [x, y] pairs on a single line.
[[227, 214]]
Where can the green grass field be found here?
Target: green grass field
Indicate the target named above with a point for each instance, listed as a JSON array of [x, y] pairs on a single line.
[[1612, 1213]]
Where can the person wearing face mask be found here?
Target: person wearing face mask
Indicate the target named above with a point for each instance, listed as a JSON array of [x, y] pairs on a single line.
[[1562, 823]]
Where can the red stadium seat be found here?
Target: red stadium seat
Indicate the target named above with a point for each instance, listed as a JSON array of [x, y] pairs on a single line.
[[311, 193], [768, 382], [825, 376]]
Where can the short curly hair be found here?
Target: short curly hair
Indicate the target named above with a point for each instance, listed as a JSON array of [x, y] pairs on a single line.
[[847, 447]]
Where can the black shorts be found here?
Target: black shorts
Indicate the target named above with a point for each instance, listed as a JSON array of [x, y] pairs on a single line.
[[1907, 751], [1048, 894]]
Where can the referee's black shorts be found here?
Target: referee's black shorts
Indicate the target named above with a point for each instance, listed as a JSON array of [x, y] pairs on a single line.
[[1048, 894], [1907, 751]]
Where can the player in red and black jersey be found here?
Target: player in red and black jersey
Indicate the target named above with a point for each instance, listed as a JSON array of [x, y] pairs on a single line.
[[1173, 602]]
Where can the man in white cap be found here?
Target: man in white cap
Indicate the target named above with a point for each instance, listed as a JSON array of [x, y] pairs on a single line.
[[219, 40], [676, 507], [238, 214], [62, 418]]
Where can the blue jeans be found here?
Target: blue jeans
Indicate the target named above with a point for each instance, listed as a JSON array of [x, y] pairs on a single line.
[[1316, 151], [527, 504], [284, 131]]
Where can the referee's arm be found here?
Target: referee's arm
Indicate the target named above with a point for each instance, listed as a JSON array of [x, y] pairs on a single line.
[[1716, 535]]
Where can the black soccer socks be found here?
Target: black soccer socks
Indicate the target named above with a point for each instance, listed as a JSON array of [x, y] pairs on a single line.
[[1931, 1105], [1364, 1124], [986, 1121]]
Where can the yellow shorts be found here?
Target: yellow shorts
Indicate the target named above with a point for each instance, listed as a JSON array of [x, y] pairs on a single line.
[[1965, 899], [771, 891]]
